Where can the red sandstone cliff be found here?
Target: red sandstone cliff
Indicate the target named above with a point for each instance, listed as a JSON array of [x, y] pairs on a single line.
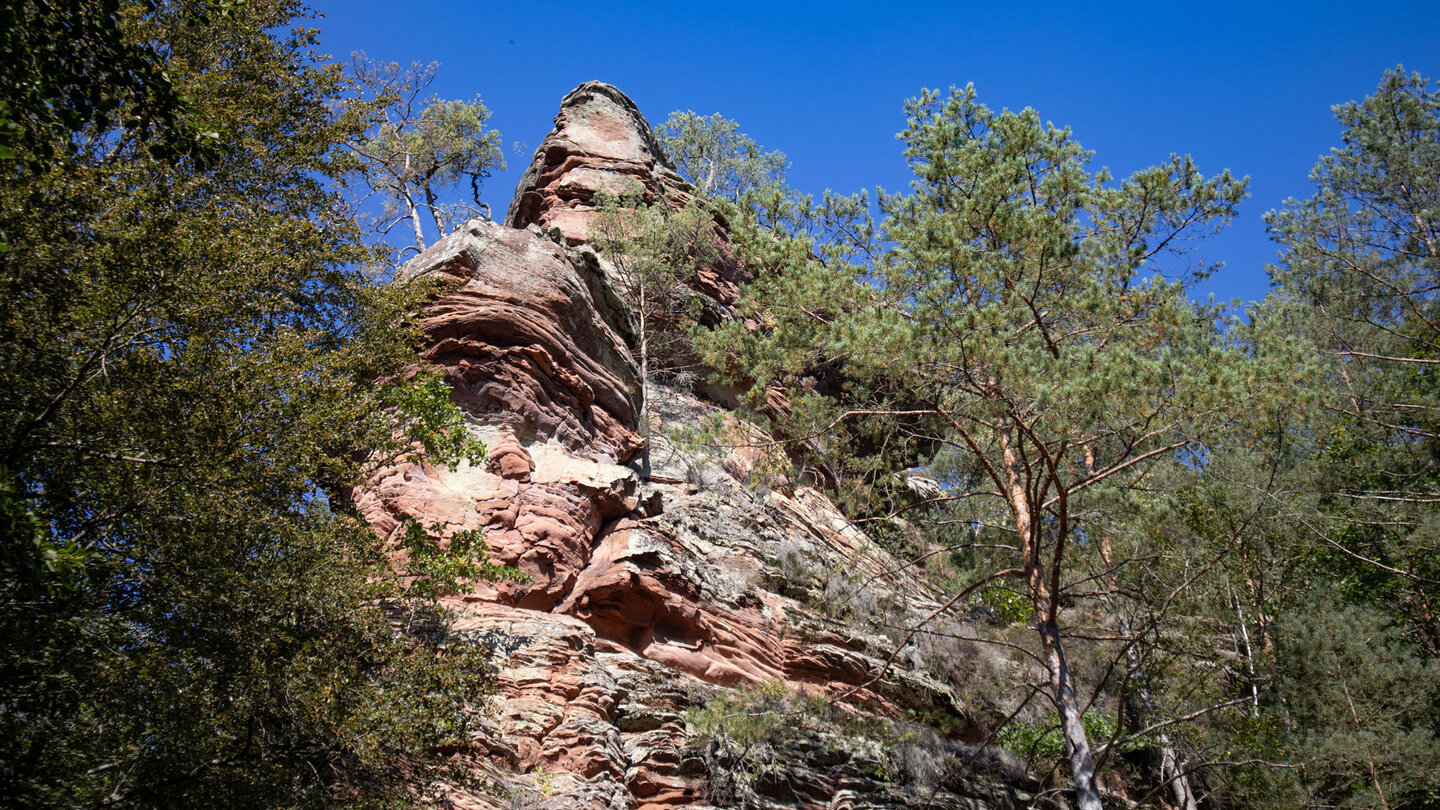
[[655, 588]]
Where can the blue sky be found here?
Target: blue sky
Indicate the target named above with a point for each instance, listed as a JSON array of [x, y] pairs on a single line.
[[1244, 86]]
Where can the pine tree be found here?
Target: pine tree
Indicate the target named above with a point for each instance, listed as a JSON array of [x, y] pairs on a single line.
[[1020, 323], [656, 251], [1359, 278]]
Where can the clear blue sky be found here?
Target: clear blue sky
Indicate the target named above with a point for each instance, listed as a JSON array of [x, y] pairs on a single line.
[[1246, 86]]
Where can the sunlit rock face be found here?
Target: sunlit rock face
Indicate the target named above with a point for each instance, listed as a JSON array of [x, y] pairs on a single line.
[[601, 143], [662, 576]]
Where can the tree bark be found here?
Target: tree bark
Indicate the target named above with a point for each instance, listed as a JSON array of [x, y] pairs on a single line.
[[415, 221], [432, 203], [644, 367], [410, 208], [1077, 744]]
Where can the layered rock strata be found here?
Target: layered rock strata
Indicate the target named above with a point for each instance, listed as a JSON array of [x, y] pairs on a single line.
[[663, 577], [601, 144]]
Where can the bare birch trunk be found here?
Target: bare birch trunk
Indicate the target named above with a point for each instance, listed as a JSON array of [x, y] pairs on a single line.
[[415, 221], [644, 370], [410, 207]]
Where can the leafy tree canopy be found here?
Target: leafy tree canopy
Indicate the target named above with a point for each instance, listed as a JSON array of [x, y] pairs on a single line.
[[1013, 316], [415, 150], [191, 364]]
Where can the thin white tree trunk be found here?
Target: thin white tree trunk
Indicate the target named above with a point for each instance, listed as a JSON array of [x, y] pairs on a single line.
[[644, 368], [415, 221], [410, 208], [1249, 654]]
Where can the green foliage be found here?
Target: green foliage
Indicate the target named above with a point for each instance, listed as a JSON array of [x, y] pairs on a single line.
[[1355, 705], [748, 715], [439, 567], [1017, 318], [657, 250], [771, 711], [416, 150], [1312, 514], [1044, 742], [31, 563], [719, 160], [192, 615], [1358, 280], [434, 423], [1010, 605], [78, 66]]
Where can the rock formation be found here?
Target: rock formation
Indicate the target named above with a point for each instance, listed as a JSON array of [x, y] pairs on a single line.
[[661, 581], [602, 144]]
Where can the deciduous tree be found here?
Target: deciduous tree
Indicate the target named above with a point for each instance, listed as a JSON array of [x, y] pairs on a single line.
[[719, 160], [191, 364], [418, 149]]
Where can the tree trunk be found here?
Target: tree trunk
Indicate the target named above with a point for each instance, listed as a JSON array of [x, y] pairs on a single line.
[[1077, 745], [434, 206], [410, 207], [1174, 775], [1172, 772], [1249, 654], [415, 221], [644, 368]]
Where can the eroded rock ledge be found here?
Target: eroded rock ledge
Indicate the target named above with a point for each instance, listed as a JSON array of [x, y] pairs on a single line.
[[601, 143], [661, 580]]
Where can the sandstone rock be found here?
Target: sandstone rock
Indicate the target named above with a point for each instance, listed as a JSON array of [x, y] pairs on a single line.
[[601, 143], [659, 581], [511, 460], [522, 343]]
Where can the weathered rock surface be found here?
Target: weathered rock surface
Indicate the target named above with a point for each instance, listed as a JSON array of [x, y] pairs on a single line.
[[521, 335], [602, 144], [662, 576]]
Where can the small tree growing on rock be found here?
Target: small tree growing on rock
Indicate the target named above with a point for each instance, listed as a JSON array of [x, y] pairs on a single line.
[[418, 150], [718, 159], [657, 249]]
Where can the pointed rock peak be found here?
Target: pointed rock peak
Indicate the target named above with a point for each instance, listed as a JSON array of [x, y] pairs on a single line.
[[605, 122], [600, 143]]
